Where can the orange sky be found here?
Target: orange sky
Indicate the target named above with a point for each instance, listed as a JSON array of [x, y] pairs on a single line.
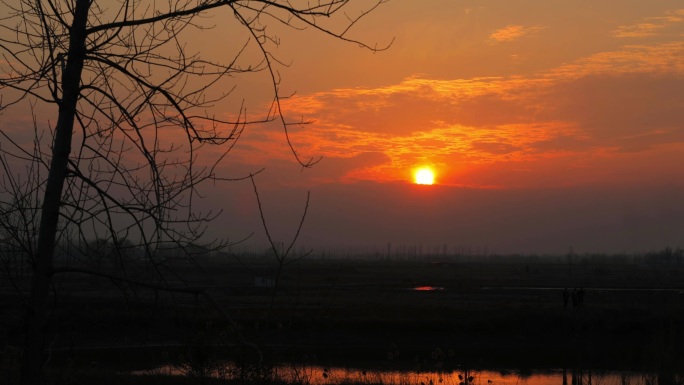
[[495, 95], [577, 103], [548, 124]]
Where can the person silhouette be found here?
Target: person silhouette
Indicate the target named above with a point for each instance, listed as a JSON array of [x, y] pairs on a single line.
[[580, 297]]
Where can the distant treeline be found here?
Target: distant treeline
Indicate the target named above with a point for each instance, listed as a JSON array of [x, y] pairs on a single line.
[[665, 256], [101, 254]]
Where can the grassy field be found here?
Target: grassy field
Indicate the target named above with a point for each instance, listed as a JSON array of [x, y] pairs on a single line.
[[487, 312]]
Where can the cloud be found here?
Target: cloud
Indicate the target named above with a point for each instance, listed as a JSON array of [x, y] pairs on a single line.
[[336, 169], [573, 116], [514, 32], [416, 104], [494, 147], [638, 30], [650, 26], [622, 111], [664, 58]]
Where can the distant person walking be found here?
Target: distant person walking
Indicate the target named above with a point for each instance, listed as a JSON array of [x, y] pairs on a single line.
[[580, 297], [574, 297], [566, 298]]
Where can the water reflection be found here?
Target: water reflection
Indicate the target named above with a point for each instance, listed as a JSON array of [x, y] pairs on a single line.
[[319, 375], [323, 376], [427, 288]]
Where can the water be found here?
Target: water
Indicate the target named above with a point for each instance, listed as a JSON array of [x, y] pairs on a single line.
[[319, 375], [427, 288], [323, 376]]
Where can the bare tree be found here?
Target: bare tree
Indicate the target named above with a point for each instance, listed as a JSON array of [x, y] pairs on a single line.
[[125, 89]]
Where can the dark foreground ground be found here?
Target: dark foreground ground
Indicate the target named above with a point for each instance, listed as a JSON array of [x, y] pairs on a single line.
[[492, 312]]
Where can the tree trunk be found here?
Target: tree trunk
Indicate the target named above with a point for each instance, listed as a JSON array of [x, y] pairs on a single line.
[[36, 322]]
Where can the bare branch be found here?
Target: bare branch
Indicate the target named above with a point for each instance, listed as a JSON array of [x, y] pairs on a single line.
[[125, 161]]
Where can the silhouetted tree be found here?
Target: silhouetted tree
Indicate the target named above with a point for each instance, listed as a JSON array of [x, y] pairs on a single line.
[[121, 82]]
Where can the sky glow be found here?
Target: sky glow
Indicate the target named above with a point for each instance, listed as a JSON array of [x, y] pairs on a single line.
[[570, 103], [552, 124]]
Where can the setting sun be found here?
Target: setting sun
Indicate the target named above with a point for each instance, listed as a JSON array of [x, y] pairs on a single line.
[[424, 176]]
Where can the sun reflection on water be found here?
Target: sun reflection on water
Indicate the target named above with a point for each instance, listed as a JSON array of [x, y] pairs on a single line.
[[427, 288], [319, 375]]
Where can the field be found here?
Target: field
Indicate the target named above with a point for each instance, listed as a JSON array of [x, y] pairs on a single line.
[[482, 312]]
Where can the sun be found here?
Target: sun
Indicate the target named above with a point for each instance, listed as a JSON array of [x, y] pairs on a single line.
[[424, 175]]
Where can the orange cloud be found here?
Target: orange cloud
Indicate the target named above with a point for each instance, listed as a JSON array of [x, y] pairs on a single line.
[[631, 59], [513, 32], [638, 30], [574, 116], [651, 26]]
